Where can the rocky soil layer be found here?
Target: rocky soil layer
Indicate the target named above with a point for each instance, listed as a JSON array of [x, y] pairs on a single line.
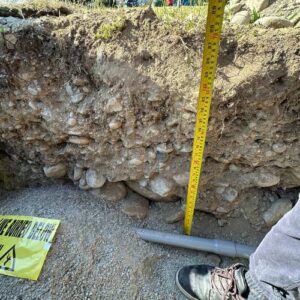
[[98, 98]]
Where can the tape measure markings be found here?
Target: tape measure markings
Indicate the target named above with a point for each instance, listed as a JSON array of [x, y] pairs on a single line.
[[209, 64]]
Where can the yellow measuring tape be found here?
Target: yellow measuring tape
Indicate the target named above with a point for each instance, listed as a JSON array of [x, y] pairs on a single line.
[[209, 63]]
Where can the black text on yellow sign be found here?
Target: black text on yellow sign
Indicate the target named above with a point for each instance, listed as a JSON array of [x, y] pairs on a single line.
[[24, 244], [209, 63]]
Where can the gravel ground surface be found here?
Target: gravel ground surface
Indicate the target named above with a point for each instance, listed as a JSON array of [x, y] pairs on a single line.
[[97, 255]]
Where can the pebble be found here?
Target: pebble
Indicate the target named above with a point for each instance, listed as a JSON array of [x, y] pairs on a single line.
[[69, 89], [175, 216], [164, 148], [151, 155], [218, 182], [234, 168], [186, 148], [114, 105], [279, 148], [269, 153], [229, 194], [277, 210], [135, 206], [241, 18], [77, 173], [135, 162], [163, 186], [114, 125], [171, 122], [77, 98], [94, 179], [266, 180], [79, 140], [11, 40], [274, 22], [111, 191], [220, 190], [182, 179], [82, 182], [34, 88], [72, 121], [79, 81], [221, 210], [56, 171]]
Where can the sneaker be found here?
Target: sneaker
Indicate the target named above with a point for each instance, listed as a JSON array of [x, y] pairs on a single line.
[[205, 282]]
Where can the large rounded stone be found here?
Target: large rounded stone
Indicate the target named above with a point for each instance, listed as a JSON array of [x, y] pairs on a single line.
[[111, 191], [56, 171], [274, 22], [241, 18], [266, 180], [147, 193], [164, 187], [94, 179], [135, 206]]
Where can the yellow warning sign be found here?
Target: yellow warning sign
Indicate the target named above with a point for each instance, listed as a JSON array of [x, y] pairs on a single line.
[[24, 244]]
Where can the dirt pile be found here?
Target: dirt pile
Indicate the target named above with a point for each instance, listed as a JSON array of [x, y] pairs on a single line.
[[112, 97]]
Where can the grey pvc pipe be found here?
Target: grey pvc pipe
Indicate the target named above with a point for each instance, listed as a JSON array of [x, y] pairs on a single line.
[[220, 247]]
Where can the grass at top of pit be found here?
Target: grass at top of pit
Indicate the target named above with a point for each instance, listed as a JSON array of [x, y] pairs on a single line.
[[191, 17]]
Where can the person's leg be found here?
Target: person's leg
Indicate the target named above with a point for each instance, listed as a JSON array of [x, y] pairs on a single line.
[[276, 262], [274, 269]]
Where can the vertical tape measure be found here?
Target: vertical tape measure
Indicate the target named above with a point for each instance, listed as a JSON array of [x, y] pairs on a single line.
[[209, 63]]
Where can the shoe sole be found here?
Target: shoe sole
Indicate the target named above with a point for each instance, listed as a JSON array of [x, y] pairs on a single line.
[[182, 290]]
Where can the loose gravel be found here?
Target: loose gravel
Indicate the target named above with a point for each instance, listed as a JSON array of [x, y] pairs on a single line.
[[96, 254]]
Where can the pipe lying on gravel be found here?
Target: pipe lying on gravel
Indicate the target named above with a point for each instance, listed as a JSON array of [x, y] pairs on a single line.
[[220, 247]]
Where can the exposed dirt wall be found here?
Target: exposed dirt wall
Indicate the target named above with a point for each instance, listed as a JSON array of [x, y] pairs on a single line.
[[122, 108]]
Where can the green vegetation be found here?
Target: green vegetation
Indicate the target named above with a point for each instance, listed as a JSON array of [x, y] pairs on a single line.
[[106, 31], [255, 15], [192, 17], [255, 33], [2, 29]]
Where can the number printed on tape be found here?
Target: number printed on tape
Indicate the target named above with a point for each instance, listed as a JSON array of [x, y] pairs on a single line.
[[24, 244], [209, 63]]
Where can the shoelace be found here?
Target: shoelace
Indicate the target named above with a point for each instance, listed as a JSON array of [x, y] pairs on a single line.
[[230, 290]]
